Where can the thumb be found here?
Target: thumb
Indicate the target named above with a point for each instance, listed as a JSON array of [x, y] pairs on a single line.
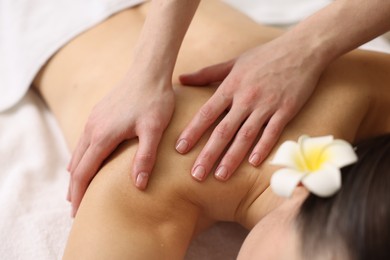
[[145, 158], [207, 75]]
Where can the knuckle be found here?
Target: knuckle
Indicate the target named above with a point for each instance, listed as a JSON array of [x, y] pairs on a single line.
[[246, 134], [206, 113], [206, 156], [289, 108], [290, 103], [226, 93], [98, 138], [154, 126], [89, 126], [223, 131], [244, 106], [144, 157], [272, 98], [273, 132], [233, 80], [251, 96]]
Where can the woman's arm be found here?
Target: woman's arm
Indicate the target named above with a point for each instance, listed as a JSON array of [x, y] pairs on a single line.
[[268, 85], [338, 28], [117, 221], [115, 217], [162, 34], [141, 105]]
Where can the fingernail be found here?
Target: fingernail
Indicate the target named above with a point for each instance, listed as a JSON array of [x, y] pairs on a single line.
[[142, 180], [254, 159], [221, 173], [199, 173], [182, 146]]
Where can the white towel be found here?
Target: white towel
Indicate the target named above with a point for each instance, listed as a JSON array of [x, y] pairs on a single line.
[[33, 30], [278, 12], [34, 215]]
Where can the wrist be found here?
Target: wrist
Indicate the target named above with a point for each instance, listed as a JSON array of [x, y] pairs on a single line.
[[147, 77], [318, 36], [308, 52], [148, 60]]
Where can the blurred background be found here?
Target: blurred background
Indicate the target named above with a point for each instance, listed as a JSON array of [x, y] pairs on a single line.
[[287, 13]]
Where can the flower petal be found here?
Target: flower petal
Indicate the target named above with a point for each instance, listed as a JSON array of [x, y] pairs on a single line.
[[340, 153], [288, 154], [325, 182], [284, 181], [312, 148], [307, 142]]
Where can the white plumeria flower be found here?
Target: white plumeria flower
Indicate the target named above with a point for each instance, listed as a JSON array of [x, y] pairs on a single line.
[[315, 162]]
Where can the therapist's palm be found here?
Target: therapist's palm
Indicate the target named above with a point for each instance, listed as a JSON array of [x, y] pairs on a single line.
[[262, 90], [137, 108]]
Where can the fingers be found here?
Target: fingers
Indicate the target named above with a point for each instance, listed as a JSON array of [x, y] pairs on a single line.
[[81, 178], [145, 157], [207, 75], [78, 153], [243, 141], [206, 116], [218, 140], [87, 167], [269, 137]]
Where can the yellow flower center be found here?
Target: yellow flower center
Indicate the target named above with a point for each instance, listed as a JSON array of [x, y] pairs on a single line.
[[312, 160]]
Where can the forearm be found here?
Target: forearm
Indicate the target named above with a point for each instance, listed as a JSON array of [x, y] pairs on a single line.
[[162, 35], [340, 27]]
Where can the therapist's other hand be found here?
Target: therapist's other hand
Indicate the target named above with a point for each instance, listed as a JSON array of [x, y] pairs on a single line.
[[136, 108], [262, 89]]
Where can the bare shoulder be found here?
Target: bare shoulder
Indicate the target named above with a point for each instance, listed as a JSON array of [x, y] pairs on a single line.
[[368, 76]]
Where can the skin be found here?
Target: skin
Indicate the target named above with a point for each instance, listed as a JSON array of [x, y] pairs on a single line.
[[264, 86], [282, 240], [115, 219], [145, 85], [270, 83]]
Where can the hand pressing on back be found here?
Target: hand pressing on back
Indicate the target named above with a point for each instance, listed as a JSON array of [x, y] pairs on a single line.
[[261, 90], [138, 107], [141, 106]]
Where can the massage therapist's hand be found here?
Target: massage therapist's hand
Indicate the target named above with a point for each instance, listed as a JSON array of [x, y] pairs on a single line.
[[139, 107], [268, 85], [264, 87]]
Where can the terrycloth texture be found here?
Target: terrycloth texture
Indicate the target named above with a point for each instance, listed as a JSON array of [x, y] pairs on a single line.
[[32, 31], [34, 216]]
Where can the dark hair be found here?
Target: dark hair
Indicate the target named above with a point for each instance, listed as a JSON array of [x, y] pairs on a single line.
[[355, 222]]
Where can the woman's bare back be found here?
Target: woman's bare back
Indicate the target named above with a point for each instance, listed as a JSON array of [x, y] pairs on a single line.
[[117, 219]]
